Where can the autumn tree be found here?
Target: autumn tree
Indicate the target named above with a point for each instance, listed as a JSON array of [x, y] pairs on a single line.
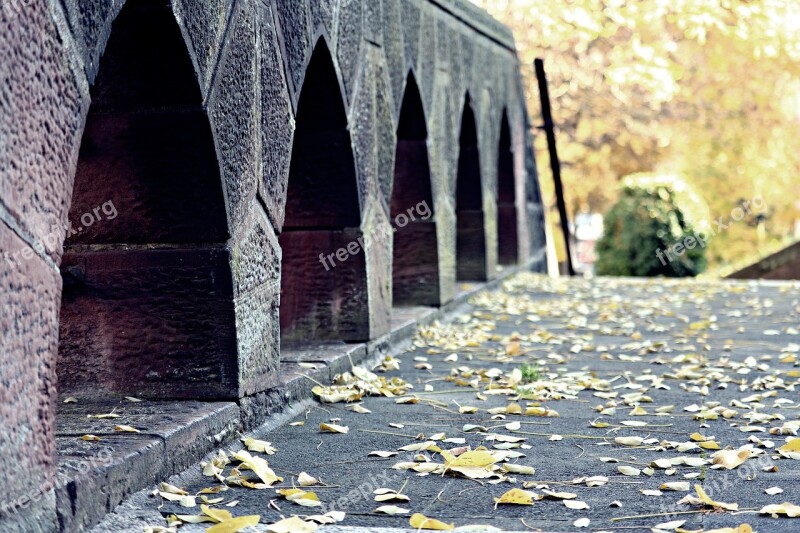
[[708, 89]]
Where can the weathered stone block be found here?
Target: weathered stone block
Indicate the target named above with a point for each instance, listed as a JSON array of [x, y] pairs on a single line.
[[41, 110], [233, 110], [471, 260], [255, 265], [394, 50], [378, 245], [93, 478], [29, 293], [205, 24], [507, 241], [410, 23], [91, 22], [415, 265], [160, 323], [348, 42], [293, 22], [324, 301], [277, 121]]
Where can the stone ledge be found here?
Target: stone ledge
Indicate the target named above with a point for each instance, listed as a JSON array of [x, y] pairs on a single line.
[[95, 477]]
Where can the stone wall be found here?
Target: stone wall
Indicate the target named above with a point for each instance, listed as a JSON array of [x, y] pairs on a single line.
[[201, 178]]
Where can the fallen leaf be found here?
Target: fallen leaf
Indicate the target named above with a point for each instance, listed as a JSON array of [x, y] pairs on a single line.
[[383, 454], [333, 428], [628, 470], [301, 497], [234, 524], [789, 509], [255, 445], [104, 416], [293, 524], [306, 480], [679, 486], [259, 466], [515, 497], [391, 510], [576, 504], [420, 521]]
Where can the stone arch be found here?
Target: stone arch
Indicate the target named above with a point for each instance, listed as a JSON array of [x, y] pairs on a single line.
[[471, 260], [415, 254], [147, 303], [507, 229], [323, 270]]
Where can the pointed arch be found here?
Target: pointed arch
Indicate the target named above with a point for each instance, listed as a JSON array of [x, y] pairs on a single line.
[[415, 254], [471, 261], [323, 272], [507, 236], [147, 304]]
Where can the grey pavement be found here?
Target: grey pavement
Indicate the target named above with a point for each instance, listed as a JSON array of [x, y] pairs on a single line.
[[627, 346]]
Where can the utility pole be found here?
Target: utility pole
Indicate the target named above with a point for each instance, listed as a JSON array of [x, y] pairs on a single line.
[[555, 166]]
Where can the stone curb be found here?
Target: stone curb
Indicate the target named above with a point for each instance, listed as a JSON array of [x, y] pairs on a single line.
[[143, 460]]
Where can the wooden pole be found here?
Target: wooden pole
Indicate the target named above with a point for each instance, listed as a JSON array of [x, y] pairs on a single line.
[[549, 130]]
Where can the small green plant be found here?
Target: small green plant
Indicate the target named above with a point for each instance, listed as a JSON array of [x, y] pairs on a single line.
[[530, 373]]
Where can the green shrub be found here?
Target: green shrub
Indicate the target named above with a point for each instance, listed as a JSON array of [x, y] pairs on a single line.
[[643, 222]]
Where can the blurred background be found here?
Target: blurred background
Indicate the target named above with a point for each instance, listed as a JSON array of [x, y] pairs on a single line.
[[693, 98]]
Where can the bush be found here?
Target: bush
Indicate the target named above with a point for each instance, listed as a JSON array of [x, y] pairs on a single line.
[[643, 222]]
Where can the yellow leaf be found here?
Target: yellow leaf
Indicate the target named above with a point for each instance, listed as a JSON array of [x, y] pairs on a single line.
[[420, 521], [333, 428], [513, 349], [515, 497], [294, 524], [789, 509], [235, 524], [708, 501], [474, 458], [91, 438], [519, 469], [301, 497], [259, 466], [255, 445], [218, 515], [104, 416], [128, 429], [731, 459]]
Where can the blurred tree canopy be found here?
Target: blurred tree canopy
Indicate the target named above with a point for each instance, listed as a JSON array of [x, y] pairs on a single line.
[[707, 89]]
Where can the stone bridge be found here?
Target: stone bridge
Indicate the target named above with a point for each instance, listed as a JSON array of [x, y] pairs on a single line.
[[186, 185]]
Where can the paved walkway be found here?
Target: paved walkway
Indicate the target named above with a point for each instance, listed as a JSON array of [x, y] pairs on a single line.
[[622, 395]]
